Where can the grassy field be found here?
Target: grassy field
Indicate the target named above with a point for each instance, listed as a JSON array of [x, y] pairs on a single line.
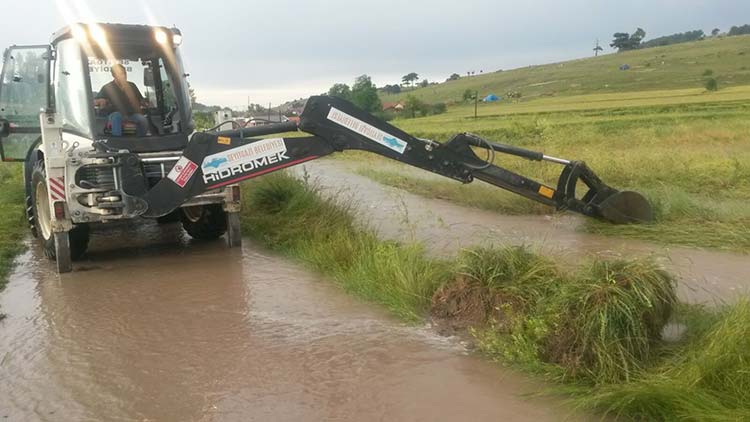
[[660, 68], [687, 150], [594, 331]]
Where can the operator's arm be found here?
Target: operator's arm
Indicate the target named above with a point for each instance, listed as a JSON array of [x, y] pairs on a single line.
[[138, 96]]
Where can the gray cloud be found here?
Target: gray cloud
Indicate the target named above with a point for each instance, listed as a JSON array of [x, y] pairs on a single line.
[[277, 50]]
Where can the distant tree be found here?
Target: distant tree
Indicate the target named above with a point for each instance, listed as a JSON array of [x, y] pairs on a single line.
[[340, 91], [597, 48], [203, 120], [453, 77], [715, 32], [364, 94], [413, 105], [425, 83], [739, 30], [410, 78], [675, 39], [623, 41], [392, 89], [468, 95]]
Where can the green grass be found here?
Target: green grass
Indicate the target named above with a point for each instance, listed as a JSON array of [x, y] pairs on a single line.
[[599, 325], [596, 330], [691, 159], [708, 380], [12, 224], [670, 67]]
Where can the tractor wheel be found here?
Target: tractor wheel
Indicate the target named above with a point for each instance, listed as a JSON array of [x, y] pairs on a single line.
[[172, 217], [204, 222], [78, 237]]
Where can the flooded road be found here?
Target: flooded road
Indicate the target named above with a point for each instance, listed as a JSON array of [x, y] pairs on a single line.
[[152, 327], [705, 276]]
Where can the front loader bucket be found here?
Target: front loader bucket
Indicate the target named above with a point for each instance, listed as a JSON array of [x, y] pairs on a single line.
[[626, 207]]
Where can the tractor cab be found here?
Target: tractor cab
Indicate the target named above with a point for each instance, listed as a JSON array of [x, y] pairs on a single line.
[[121, 85]]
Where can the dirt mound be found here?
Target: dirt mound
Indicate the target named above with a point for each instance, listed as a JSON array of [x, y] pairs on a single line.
[[463, 304]]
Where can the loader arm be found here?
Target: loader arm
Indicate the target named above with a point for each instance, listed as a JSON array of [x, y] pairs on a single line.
[[212, 160]]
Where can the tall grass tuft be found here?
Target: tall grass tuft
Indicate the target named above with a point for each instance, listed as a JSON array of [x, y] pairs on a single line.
[[609, 319], [708, 379], [601, 324]]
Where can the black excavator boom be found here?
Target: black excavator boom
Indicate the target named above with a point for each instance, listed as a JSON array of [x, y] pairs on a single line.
[[212, 160]]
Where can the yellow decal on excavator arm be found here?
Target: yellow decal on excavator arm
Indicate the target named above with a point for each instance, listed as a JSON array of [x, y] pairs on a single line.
[[546, 192]]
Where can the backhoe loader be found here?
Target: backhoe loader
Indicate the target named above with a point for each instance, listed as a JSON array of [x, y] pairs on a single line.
[[101, 119]]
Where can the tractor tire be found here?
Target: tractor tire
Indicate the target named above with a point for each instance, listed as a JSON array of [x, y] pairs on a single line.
[[30, 215], [170, 218], [204, 222], [78, 237]]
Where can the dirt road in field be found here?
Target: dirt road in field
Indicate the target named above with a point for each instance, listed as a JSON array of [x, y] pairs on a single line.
[[153, 328], [704, 276]]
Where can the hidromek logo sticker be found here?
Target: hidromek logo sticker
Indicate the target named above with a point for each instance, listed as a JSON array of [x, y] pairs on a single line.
[[236, 161]]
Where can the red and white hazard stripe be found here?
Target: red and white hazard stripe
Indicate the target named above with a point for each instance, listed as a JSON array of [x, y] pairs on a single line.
[[57, 188]]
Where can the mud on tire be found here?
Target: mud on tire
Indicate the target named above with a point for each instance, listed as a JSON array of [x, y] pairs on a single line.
[[78, 236], [204, 222]]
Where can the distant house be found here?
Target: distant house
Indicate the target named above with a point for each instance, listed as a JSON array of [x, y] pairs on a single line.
[[390, 106]]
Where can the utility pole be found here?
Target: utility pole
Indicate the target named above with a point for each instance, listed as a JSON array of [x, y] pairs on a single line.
[[597, 49], [476, 102]]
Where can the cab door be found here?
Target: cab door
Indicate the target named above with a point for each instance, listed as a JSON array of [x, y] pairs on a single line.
[[24, 93]]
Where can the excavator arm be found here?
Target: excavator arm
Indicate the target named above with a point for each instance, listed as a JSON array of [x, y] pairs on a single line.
[[216, 159]]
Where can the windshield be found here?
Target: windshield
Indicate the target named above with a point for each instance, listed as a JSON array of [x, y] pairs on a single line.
[[134, 93]]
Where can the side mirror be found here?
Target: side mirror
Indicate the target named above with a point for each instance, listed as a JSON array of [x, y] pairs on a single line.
[[4, 128], [148, 77]]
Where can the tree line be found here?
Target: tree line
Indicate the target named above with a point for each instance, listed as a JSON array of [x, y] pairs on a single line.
[[623, 41]]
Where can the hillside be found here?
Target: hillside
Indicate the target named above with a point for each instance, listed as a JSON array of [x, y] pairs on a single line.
[[669, 67]]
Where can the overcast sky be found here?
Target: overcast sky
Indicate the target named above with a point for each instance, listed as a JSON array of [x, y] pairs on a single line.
[[276, 50]]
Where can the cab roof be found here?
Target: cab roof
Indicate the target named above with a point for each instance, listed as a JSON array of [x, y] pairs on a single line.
[[129, 33]]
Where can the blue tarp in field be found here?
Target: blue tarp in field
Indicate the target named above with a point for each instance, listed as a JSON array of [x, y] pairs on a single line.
[[491, 98]]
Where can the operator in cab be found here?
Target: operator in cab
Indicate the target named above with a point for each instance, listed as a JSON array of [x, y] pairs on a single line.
[[125, 102]]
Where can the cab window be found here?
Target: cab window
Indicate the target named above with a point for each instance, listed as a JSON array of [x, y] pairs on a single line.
[[133, 96]]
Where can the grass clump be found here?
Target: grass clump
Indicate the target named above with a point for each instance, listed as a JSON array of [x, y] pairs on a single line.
[[288, 215], [707, 380], [599, 325], [610, 318]]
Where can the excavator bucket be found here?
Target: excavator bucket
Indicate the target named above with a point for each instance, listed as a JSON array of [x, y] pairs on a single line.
[[626, 207]]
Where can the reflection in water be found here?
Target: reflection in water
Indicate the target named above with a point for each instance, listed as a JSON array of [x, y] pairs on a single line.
[[154, 327]]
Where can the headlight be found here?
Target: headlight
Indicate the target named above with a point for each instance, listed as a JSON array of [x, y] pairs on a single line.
[[177, 39], [161, 36], [98, 34]]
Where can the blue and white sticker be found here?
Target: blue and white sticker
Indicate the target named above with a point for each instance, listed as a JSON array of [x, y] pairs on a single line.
[[367, 130]]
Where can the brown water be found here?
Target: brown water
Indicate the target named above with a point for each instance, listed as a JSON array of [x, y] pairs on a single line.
[[705, 276], [154, 328]]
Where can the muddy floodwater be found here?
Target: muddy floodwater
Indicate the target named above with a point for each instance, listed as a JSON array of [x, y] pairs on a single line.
[[152, 327], [704, 276]]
